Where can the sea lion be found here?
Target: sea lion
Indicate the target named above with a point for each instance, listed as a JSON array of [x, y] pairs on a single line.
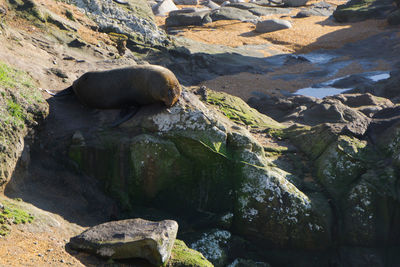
[[126, 88], [132, 86]]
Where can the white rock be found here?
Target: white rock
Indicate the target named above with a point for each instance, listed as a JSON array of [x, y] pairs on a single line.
[[272, 25], [164, 7]]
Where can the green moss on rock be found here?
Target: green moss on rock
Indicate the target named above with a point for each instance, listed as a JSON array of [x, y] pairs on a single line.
[[238, 111], [182, 256], [359, 10]]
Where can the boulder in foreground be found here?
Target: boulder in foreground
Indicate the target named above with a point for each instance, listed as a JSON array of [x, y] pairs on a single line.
[[133, 238]]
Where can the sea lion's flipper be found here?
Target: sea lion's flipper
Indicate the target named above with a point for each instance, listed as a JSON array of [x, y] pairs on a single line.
[[125, 115], [66, 91]]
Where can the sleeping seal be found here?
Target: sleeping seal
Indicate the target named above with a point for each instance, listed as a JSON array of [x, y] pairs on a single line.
[[126, 88], [132, 86]]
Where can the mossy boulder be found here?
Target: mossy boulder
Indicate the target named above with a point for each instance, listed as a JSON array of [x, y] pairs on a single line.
[[341, 164], [182, 256], [359, 10]]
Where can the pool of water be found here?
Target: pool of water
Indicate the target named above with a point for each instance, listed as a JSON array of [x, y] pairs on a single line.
[[321, 92]]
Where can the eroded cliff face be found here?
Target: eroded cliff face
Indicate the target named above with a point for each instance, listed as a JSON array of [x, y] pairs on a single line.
[[22, 109]]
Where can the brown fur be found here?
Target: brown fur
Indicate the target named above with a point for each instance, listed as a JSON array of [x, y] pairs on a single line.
[[131, 86]]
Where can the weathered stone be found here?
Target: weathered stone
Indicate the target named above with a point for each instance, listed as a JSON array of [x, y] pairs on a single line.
[[266, 11], [164, 7], [231, 13], [211, 5], [186, 19], [111, 16], [394, 17], [318, 9], [272, 25], [213, 245], [133, 238], [259, 10], [294, 3], [247, 263], [186, 2]]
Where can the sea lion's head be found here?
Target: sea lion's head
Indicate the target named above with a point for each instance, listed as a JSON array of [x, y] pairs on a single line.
[[173, 92]]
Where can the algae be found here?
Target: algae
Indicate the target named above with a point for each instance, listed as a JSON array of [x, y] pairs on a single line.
[[182, 256]]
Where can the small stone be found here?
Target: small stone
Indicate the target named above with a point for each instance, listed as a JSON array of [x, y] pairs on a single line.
[[40, 255], [62, 261], [272, 25]]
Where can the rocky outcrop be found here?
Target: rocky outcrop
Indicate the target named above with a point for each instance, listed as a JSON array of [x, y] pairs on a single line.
[[22, 108], [134, 19], [133, 238], [354, 163], [192, 157]]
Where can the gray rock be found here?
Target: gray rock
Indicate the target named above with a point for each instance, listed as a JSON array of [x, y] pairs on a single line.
[[151, 3], [259, 10], [231, 13], [133, 238], [318, 9], [186, 2], [272, 25], [211, 5], [269, 3], [186, 19], [266, 11], [247, 263], [164, 7], [394, 17], [294, 3], [119, 18], [242, 5], [213, 246]]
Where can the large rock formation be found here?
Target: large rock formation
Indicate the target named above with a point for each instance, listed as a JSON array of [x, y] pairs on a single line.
[[192, 157]]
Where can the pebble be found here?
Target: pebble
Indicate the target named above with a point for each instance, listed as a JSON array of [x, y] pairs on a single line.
[[40, 255]]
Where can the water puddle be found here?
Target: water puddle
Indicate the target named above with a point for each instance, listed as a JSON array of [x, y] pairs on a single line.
[[332, 87], [380, 76], [321, 92]]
